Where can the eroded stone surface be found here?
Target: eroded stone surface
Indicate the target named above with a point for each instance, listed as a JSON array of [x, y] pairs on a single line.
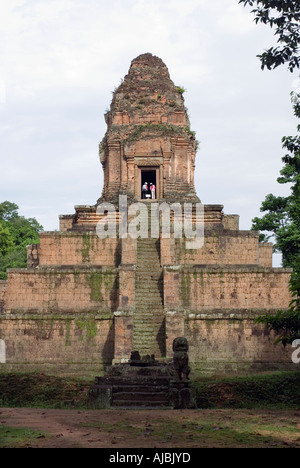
[[148, 128]]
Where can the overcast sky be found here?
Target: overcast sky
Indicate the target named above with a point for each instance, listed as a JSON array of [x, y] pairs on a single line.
[[61, 59]]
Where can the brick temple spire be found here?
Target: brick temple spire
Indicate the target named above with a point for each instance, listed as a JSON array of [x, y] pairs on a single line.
[[148, 136]]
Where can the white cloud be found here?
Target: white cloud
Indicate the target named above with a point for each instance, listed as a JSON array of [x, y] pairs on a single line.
[[235, 20], [62, 58]]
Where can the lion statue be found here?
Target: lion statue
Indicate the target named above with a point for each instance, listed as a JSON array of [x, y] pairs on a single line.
[[180, 358]]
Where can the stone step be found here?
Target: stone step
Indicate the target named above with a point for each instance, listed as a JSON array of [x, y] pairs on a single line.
[[143, 404], [157, 292], [144, 308], [144, 305], [149, 310], [149, 376], [149, 316], [140, 396], [145, 314], [144, 282], [145, 277], [147, 297], [149, 271], [145, 287], [140, 388]]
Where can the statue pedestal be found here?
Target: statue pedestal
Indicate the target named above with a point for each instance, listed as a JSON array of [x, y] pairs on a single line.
[[182, 395]]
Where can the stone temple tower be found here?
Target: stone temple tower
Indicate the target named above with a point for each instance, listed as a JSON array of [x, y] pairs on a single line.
[[86, 301], [148, 138]]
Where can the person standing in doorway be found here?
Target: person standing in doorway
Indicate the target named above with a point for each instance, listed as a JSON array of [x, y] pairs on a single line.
[[152, 189], [144, 190]]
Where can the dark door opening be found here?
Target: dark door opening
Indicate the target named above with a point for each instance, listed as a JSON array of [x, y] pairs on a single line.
[[148, 184]]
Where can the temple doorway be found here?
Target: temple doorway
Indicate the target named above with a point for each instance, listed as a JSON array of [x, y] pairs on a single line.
[[149, 175]]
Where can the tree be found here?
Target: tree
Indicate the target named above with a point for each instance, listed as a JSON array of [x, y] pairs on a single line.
[[282, 218], [6, 241], [16, 232], [282, 214], [8, 211], [284, 15]]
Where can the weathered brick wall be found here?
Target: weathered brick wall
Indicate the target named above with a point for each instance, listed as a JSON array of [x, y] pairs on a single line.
[[127, 287], [219, 248], [66, 222], [70, 344], [58, 290], [3, 288], [65, 249], [199, 288], [128, 251], [229, 345], [229, 341], [231, 222], [265, 254]]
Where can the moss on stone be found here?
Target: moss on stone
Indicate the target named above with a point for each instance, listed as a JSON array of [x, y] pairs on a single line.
[[185, 289], [85, 252], [90, 327], [95, 280]]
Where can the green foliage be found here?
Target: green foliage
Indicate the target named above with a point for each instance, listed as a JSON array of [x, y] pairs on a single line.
[[284, 16], [286, 323], [8, 211], [6, 240], [282, 218], [16, 232], [165, 130], [181, 90], [282, 214]]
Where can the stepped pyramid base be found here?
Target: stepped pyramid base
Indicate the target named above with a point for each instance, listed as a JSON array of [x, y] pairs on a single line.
[[132, 386]]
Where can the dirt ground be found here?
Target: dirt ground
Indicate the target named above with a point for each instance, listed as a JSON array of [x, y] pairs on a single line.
[[119, 428]]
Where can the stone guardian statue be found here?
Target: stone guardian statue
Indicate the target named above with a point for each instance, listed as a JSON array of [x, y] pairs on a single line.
[[181, 358]]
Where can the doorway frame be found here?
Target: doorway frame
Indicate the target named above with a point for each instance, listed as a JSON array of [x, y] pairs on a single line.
[[149, 169], [148, 164]]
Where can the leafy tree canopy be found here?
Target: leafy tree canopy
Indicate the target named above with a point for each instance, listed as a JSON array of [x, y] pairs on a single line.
[[282, 217], [284, 16], [16, 232], [282, 214]]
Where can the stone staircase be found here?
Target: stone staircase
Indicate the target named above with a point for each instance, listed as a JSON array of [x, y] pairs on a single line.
[[147, 391], [131, 386], [148, 320]]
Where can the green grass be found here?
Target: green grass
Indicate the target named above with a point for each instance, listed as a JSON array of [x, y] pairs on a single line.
[[42, 391], [11, 437], [274, 390], [206, 428]]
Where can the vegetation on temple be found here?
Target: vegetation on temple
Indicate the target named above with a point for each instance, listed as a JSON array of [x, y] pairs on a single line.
[[16, 232]]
